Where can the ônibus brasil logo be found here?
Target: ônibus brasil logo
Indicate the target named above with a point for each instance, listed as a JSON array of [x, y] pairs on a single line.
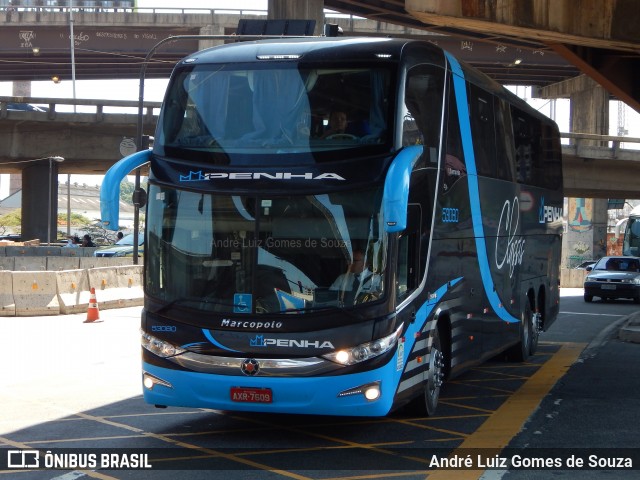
[[200, 176]]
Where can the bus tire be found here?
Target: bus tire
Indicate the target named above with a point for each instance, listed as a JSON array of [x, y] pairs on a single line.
[[520, 351], [535, 333], [435, 374]]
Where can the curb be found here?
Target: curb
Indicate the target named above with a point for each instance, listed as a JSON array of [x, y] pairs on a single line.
[[630, 331]]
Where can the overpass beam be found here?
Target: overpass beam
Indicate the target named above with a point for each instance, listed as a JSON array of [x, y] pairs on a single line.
[[40, 201], [298, 10]]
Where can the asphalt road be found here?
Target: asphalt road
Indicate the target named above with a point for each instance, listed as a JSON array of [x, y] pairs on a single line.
[[593, 412], [69, 385]]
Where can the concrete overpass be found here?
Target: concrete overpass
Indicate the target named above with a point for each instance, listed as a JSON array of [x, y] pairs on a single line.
[[539, 42], [113, 44], [599, 37], [91, 142]]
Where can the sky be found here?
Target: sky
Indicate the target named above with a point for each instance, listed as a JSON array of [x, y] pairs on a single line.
[[154, 88]]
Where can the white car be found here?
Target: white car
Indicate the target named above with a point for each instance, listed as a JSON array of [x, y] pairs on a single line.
[[122, 248]]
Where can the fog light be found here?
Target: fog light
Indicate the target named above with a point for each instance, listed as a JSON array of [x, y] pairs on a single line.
[[149, 381], [370, 391]]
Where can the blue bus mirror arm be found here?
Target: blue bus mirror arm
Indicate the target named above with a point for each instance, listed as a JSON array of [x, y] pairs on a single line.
[[110, 189], [396, 189]]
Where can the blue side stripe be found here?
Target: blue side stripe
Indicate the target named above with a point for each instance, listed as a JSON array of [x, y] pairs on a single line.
[[474, 194], [207, 334], [425, 311]]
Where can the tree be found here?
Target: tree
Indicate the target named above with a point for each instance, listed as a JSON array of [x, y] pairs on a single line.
[[126, 191], [127, 188]]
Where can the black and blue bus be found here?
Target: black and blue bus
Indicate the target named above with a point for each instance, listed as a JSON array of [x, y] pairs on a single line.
[[294, 264], [631, 242]]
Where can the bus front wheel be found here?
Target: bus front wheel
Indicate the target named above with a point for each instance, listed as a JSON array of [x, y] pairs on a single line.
[[435, 374]]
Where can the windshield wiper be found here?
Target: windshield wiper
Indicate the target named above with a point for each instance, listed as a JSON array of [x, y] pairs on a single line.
[[183, 301], [317, 308]]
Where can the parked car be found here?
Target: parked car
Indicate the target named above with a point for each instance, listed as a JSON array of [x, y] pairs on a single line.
[[25, 107], [122, 248], [613, 277], [12, 237], [585, 264]]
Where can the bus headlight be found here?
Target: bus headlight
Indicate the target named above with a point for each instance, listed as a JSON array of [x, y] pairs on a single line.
[[365, 351], [159, 347]]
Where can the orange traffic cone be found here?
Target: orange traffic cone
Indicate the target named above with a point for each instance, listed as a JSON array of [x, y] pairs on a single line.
[[93, 313]]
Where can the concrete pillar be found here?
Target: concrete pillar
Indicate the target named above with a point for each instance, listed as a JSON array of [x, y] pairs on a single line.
[[21, 88], [210, 30], [298, 10], [39, 201], [587, 219]]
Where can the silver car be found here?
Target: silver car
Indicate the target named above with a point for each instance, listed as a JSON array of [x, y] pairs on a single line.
[[613, 277]]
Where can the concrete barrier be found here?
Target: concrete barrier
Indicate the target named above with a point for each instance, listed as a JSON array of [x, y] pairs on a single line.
[[7, 305], [97, 262], [70, 252], [57, 264], [7, 263], [16, 250], [117, 287], [45, 251], [30, 264], [73, 291], [35, 293]]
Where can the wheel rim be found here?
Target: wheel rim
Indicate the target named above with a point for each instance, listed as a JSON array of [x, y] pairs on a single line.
[[435, 374], [526, 325]]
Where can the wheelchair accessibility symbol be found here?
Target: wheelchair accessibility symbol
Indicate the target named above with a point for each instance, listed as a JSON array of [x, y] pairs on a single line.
[[242, 302]]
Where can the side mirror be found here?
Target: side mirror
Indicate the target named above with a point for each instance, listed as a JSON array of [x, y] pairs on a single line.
[[139, 197], [396, 189]]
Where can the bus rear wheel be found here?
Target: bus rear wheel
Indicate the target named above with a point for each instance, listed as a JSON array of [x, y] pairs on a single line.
[[520, 351]]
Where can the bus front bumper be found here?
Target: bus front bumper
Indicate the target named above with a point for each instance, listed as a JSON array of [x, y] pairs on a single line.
[[330, 395]]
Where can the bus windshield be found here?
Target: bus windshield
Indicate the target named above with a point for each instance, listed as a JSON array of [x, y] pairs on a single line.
[[264, 254], [227, 114]]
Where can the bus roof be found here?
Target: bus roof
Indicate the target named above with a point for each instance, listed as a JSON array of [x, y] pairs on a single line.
[[311, 48], [352, 49]]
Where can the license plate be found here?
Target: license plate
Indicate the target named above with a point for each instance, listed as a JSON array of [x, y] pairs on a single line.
[[251, 395], [608, 287]]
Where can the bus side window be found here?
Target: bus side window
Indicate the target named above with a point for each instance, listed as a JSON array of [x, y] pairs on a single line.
[[408, 255], [454, 166], [529, 163], [551, 176], [504, 142], [423, 106], [482, 130]]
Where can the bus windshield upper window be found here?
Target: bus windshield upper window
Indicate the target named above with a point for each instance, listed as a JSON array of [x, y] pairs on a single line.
[[246, 111]]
